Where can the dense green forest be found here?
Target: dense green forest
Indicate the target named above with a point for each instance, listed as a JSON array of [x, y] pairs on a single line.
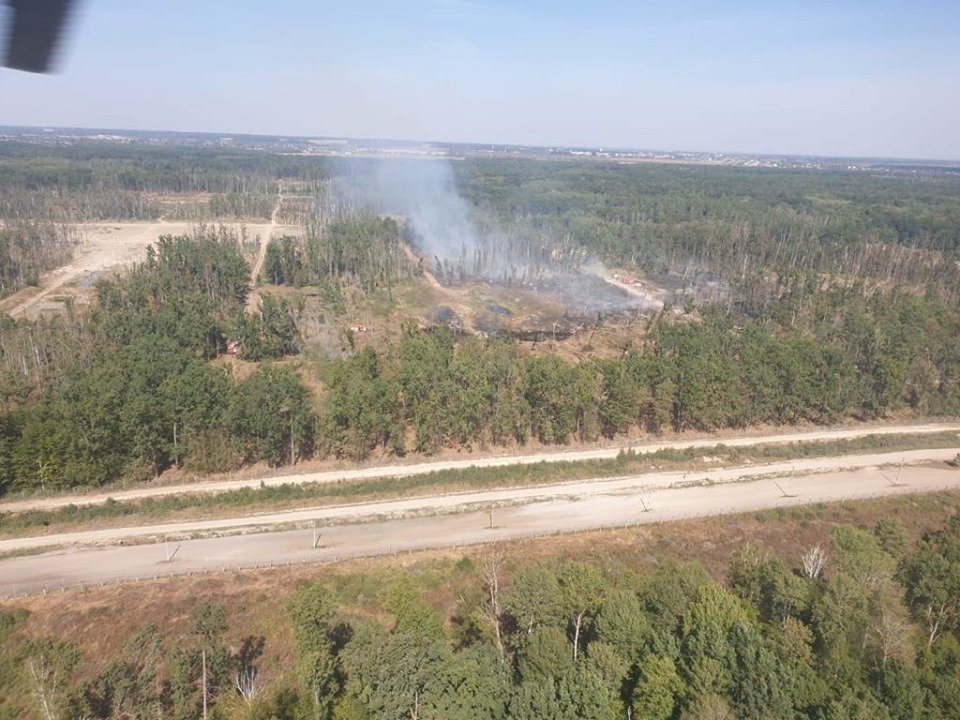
[[361, 250], [859, 359], [127, 390], [862, 628]]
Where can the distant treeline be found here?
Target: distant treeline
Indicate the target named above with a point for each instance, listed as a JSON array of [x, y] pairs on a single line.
[[127, 390], [744, 224], [148, 168], [100, 180], [863, 627]]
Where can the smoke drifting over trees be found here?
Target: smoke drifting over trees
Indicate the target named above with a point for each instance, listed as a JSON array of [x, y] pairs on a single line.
[[460, 242], [425, 194]]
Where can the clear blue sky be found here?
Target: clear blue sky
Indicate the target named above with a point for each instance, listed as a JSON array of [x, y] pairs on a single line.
[[841, 78]]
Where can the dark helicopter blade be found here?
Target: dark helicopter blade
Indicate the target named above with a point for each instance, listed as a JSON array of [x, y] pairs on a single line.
[[35, 31]]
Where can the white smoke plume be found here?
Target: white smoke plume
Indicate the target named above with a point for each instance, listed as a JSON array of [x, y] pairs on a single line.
[[423, 193], [440, 223]]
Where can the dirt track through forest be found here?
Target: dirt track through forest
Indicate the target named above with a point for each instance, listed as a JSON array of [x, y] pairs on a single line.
[[253, 300], [408, 470], [418, 261], [466, 519]]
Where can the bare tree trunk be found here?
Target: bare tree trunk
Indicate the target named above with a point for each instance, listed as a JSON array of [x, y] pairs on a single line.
[[491, 576], [42, 692], [935, 620], [203, 663], [577, 622]]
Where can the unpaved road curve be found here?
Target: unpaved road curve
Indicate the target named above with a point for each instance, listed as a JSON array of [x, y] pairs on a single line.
[[564, 512], [396, 471]]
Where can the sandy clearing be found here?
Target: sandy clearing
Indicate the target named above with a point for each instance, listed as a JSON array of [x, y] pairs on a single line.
[[650, 301], [567, 512], [401, 470], [110, 245]]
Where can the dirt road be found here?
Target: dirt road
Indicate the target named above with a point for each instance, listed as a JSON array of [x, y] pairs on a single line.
[[455, 502], [253, 300], [396, 471], [418, 260], [554, 509]]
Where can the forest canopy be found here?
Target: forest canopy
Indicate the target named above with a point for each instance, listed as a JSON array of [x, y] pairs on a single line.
[[841, 302]]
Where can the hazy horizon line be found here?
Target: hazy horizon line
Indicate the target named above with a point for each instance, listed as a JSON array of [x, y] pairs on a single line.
[[602, 148]]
